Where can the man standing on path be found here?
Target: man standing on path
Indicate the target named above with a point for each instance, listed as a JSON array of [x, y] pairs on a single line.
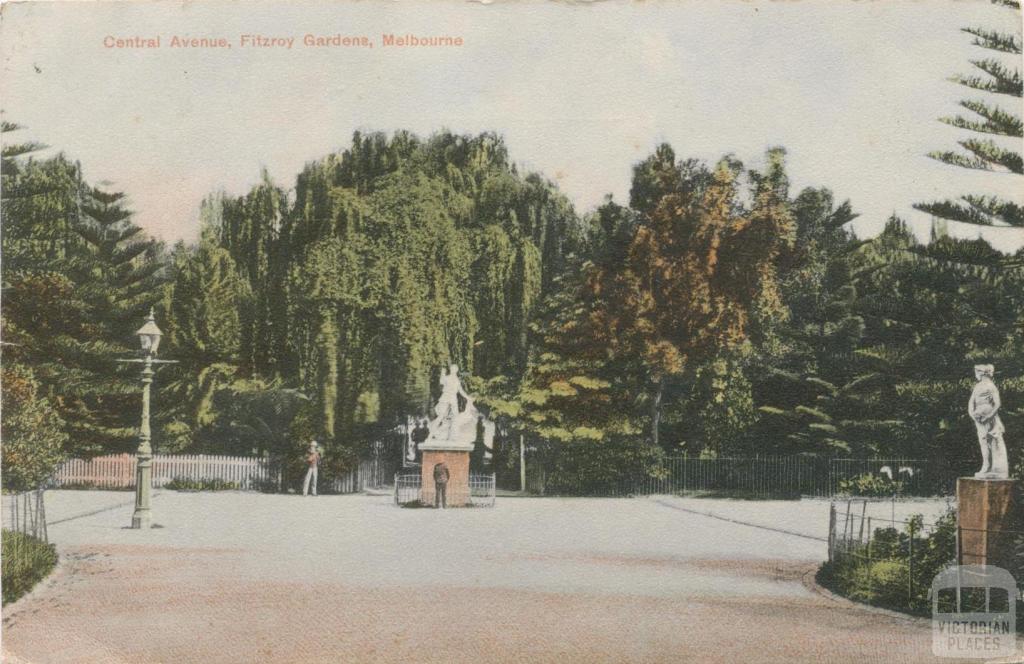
[[440, 485], [313, 460]]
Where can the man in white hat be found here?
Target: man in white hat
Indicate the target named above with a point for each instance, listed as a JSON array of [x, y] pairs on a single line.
[[313, 460], [984, 410]]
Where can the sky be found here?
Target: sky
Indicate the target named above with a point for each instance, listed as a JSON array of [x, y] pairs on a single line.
[[580, 92]]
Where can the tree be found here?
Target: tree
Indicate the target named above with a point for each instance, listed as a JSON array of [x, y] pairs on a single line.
[[39, 206], [78, 277], [202, 309], [397, 256], [805, 366], [987, 119], [927, 322], [249, 227], [699, 269], [667, 289], [33, 432]]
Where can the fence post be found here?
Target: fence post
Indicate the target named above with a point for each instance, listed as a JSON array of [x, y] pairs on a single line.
[[831, 531], [959, 558], [910, 561], [871, 580]]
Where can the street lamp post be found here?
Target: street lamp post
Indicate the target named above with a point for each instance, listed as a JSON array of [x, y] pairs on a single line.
[[149, 338]]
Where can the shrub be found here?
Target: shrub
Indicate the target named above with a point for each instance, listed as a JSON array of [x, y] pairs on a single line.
[[882, 582], [87, 485], [185, 484], [33, 433], [885, 573], [870, 485], [598, 467], [25, 561]]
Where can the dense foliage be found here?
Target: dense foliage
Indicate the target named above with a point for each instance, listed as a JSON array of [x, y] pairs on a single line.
[[896, 569], [717, 314], [78, 277], [32, 431]]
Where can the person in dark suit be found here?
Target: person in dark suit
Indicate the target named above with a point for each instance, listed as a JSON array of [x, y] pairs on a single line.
[[441, 475], [418, 435]]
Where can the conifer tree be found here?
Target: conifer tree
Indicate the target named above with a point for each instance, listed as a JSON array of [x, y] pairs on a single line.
[[996, 128]]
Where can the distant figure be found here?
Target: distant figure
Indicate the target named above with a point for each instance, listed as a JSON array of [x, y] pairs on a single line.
[[313, 461], [441, 485], [984, 410], [419, 434]]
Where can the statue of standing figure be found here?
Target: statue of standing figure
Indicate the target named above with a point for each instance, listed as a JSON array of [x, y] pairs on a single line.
[[984, 410], [450, 423]]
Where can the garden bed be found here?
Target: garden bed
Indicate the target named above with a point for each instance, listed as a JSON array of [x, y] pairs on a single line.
[[26, 561]]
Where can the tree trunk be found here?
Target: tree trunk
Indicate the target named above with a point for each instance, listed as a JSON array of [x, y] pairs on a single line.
[[522, 463], [329, 373], [656, 411]]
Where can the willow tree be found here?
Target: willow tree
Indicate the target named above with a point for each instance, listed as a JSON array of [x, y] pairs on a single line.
[[422, 268], [394, 257], [202, 320], [376, 310], [249, 229], [330, 300]]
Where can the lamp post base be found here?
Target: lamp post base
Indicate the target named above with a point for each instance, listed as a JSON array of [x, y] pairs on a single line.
[[141, 519]]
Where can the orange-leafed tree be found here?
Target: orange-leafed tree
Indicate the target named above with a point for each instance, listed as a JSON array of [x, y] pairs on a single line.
[[699, 274]]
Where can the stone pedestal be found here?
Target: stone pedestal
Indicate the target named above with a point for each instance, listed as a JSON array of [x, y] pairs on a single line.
[[986, 509], [457, 459]]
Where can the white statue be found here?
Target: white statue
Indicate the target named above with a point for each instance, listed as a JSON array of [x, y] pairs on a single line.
[[451, 424], [452, 428], [489, 431], [984, 410]]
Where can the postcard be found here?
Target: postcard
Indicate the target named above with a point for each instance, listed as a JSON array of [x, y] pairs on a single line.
[[511, 331]]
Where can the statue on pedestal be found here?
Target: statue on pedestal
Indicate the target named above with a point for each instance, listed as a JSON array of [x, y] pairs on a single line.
[[451, 424], [451, 439], [984, 410]]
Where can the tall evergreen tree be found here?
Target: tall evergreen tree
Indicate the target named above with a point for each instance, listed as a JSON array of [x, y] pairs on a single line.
[[992, 148], [78, 278]]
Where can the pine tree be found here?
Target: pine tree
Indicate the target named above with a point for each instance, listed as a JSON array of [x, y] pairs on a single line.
[[994, 124], [78, 278], [804, 363], [39, 206]]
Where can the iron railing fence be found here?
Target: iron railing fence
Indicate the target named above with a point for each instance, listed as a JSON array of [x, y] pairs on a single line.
[[25, 513], [408, 488], [761, 477], [481, 490], [24, 518], [865, 533]]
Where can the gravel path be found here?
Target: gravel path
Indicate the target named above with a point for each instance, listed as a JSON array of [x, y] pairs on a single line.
[[235, 577]]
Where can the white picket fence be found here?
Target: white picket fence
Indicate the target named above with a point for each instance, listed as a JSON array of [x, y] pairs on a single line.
[[247, 473], [118, 471]]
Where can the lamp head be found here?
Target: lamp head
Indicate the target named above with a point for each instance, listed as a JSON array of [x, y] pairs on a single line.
[[149, 335]]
